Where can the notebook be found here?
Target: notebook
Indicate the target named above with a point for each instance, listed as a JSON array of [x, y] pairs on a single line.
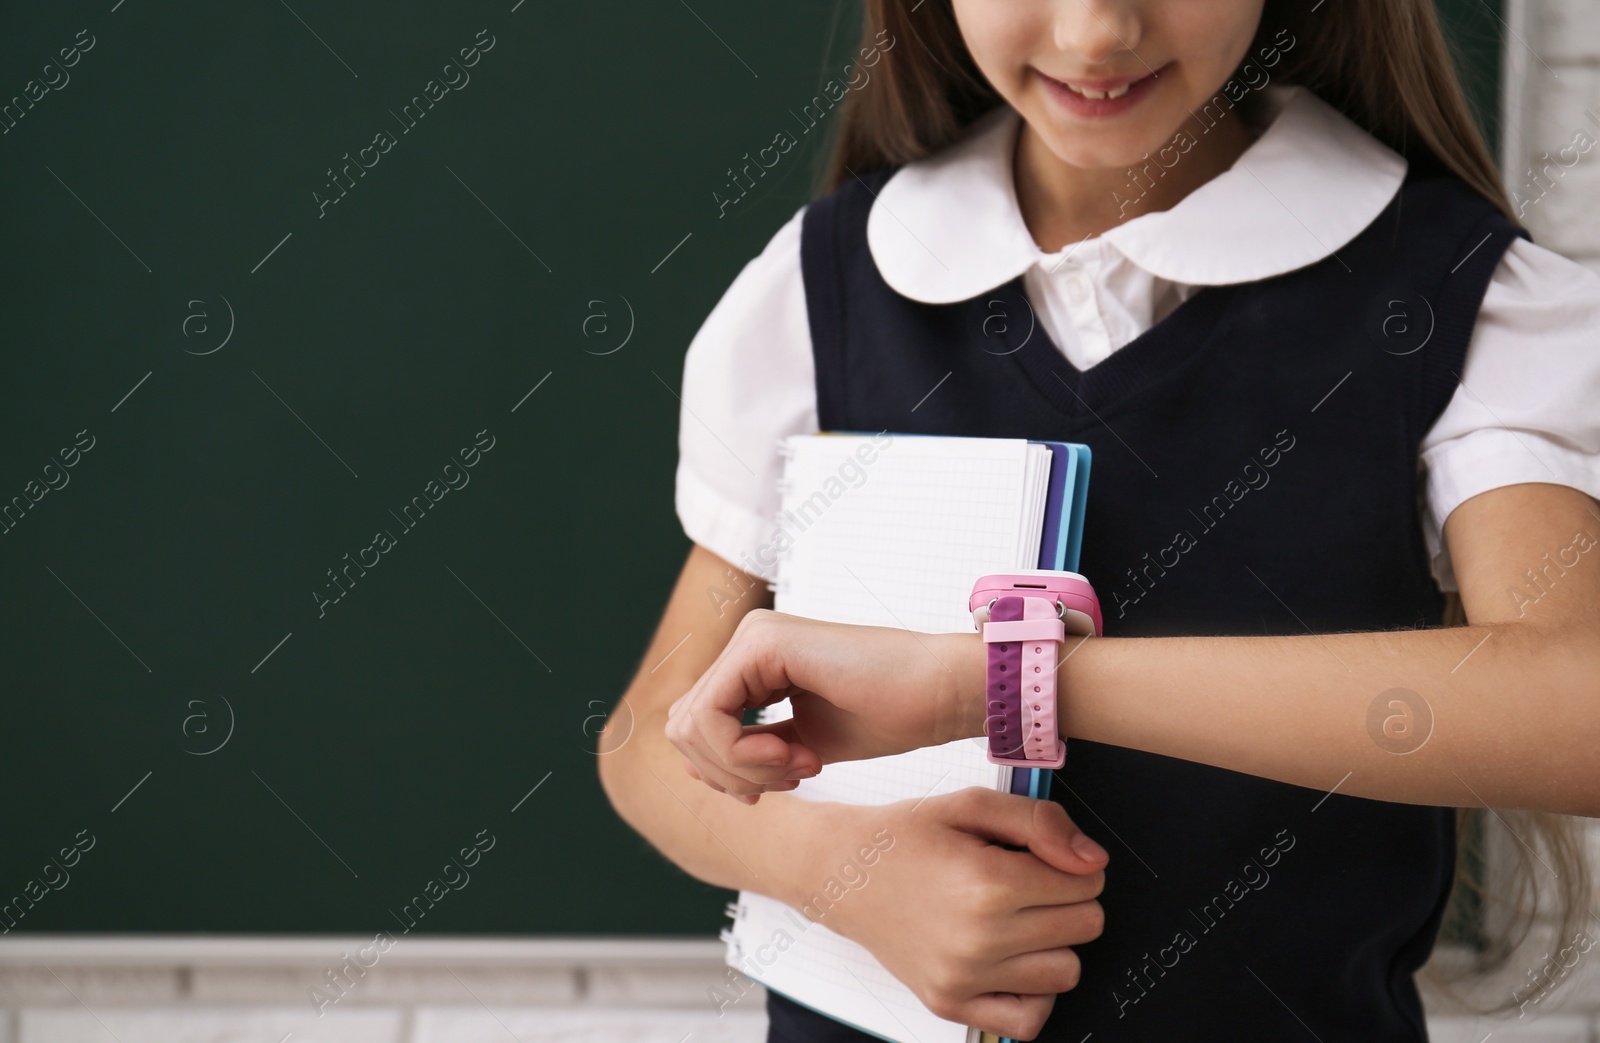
[[892, 530]]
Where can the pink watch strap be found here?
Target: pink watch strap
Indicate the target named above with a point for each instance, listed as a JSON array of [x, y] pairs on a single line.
[[1023, 635]]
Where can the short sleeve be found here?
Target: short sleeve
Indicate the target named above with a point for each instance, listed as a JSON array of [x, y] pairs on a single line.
[[1527, 408], [748, 381]]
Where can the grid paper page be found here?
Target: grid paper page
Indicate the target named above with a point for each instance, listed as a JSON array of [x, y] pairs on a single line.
[[898, 547], [903, 547]]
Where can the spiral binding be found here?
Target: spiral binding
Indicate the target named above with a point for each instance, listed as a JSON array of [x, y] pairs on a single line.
[[735, 912], [786, 449]]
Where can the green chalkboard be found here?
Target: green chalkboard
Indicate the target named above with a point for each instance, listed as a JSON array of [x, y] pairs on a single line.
[[274, 274], [1475, 32], [342, 348]]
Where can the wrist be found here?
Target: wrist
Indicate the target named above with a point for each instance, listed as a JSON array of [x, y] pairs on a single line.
[[816, 828], [961, 696]]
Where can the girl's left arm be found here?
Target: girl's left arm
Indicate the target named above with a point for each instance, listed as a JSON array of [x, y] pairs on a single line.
[[1504, 711]]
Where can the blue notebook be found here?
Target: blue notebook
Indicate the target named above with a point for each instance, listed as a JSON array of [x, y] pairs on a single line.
[[891, 530], [1063, 539]]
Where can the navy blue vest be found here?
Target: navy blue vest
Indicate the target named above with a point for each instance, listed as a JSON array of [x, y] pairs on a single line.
[[1255, 472]]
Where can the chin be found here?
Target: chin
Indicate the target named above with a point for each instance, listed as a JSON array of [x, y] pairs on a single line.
[[1102, 150]]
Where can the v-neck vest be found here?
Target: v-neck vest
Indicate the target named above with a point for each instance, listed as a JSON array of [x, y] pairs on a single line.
[[1254, 473]]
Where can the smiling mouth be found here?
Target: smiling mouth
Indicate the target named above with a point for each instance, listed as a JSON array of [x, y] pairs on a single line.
[[1115, 92], [1102, 89]]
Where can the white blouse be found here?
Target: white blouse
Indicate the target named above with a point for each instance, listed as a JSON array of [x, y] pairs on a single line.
[[947, 228]]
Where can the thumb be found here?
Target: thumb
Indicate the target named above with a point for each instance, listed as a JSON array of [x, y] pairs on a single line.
[[1041, 826], [796, 757]]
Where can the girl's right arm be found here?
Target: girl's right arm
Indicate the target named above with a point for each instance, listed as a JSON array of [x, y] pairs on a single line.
[[1011, 890], [709, 836]]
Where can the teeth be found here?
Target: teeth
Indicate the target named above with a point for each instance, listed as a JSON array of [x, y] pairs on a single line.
[[1097, 95]]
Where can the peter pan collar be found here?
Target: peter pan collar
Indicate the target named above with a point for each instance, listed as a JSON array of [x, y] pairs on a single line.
[[947, 227]]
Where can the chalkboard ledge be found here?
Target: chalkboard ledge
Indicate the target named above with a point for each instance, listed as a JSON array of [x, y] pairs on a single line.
[[309, 976], [115, 950]]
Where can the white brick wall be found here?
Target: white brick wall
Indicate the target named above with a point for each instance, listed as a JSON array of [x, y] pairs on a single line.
[[205, 1026], [1552, 63], [143, 990], [72, 989], [1555, 80], [1570, 32], [1553, 92]]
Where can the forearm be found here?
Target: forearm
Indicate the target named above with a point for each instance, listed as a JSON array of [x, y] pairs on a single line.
[[1515, 710], [759, 847]]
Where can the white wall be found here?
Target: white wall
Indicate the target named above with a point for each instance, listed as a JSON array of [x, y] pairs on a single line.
[[1552, 84], [439, 990], [422, 990], [1554, 81]]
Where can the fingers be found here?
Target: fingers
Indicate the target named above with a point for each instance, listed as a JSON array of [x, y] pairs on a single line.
[[1042, 826], [1020, 991], [799, 760], [1006, 1015], [706, 723], [776, 787], [729, 769], [1034, 973], [685, 730], [723, 781], [723, 774], [1041, 931], [1032, 884]]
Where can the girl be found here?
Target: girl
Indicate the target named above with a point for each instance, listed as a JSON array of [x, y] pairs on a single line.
[[1255, 254]]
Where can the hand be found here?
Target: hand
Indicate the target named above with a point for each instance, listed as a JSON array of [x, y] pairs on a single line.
[[980, 933], [857, 692]]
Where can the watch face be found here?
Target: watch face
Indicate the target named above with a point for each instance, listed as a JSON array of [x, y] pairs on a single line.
[[1071, 591], [1037, 582]]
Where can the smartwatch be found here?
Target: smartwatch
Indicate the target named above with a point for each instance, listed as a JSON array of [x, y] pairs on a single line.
[[1024, 617]]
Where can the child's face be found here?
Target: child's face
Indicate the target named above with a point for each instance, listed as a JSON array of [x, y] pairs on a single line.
[[1192, 46]]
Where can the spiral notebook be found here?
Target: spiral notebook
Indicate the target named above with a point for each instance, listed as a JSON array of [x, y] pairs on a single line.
[[892, 530]]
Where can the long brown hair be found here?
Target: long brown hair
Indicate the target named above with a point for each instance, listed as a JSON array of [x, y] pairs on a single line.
[[1386, 65]]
